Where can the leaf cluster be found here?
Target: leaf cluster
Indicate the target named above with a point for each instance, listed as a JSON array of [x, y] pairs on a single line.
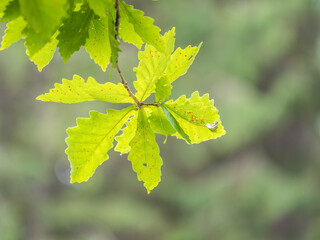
[[188, 119], [46, 25], [97, 25]]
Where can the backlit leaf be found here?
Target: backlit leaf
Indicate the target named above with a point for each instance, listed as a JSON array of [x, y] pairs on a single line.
[[11, 12], [43, 16], [13, 32], [98, 43], [194, 114], [128, 133], [180, 62], [126, 30], [3, 6], [151, 66], [77, 90], [74, 32], [159, 122], [99, 7], [43, 57], [143, 26], [144, 154], [89, 142], [175, 124], [163, 89]]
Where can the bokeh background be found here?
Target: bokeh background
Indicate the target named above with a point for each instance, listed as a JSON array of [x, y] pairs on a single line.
[[260, 61]]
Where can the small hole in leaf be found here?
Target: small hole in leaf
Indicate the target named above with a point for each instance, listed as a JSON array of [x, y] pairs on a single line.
[[144, 164]]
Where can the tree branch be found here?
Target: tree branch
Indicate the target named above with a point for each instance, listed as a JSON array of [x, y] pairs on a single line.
[[124, 83]]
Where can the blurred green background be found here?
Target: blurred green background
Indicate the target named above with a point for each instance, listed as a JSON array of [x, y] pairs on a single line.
[[260, 61]]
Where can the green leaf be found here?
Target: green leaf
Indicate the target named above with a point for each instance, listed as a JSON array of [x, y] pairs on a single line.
[[33, 42], [163, 89], [142, 25], [12, 11], [74, 32], [89, 142], [151, 66], [144, 153], [13, 32], [180, 62], [77, 90], [43, 16], [3, 6], [126, 30], [194, 114], [159, 122], [127, 135], [175, 124], [99, 7], [43, 57], [98, 43]]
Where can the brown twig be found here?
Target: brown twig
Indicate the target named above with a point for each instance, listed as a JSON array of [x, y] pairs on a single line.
[[124, 83]]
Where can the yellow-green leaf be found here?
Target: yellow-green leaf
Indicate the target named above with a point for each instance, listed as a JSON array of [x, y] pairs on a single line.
[[144, 153], [194, 114], [126, 30], [180, 62], [3, 5], [163, 89], [43, 16], [77, 90], [43, 57], [99, 6], [89, 142], [152, 65], [98, 43], [13, 32], [142, 25], [159, 123], [128, 133]]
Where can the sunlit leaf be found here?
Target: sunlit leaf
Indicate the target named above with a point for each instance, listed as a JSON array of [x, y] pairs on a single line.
[[74, 32], [12, 10], [43, 16], [194, 114], [175, 124], [128, 133], [151, 66], [144, 153], [159, 122], [43, 57], [180, 62], [163, 89], [77, 90], [142, 25], [98, 43], [89, 142], [13, 32]]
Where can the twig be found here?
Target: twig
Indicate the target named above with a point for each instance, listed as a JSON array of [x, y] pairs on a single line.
[[150, 104], [125, 84]]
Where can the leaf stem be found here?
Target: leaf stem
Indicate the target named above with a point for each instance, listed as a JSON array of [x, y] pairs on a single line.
[[124, 83]]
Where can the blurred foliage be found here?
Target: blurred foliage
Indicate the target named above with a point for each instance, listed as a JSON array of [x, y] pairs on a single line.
[[260, 61]]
